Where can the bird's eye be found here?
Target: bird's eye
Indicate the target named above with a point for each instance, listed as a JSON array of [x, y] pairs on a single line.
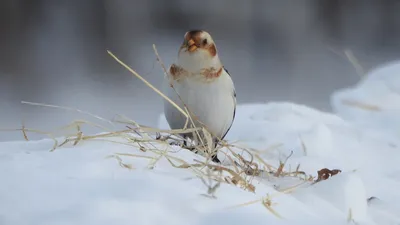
[[205, 41]]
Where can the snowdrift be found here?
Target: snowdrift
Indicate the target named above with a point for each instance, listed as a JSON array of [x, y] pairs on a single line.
[[115, 180]]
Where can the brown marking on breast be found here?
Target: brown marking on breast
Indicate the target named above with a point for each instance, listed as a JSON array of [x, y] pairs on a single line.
[[177, 72], [211, 73]]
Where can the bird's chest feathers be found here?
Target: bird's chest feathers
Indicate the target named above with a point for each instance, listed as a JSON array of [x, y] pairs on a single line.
[[193, 90], [203, 100], [196, 62], [205, 75]]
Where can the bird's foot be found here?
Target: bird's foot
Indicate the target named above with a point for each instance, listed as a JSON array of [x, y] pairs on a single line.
[[183, 144], [215, 159], [176, 143]]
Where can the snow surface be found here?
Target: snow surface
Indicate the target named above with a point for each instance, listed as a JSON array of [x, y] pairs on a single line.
[[379, 90], [81, 185]]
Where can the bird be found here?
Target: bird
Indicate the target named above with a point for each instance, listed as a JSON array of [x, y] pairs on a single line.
[[199, 81]]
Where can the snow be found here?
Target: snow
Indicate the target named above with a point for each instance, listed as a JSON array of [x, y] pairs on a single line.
[[82, 184], [381, 91]]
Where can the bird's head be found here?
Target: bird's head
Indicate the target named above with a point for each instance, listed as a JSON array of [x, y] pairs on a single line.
[[198, 51]]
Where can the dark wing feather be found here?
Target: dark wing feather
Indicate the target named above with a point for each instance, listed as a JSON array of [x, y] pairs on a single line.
[[234, 110]]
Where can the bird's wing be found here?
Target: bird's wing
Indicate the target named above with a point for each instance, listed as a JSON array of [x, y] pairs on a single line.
[[234, 110]]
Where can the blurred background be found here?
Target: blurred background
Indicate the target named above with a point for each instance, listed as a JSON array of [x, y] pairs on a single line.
[[54, 51]]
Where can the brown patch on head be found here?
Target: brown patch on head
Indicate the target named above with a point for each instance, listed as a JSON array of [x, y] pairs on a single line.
[[213, 50], [199, 39], [192, 34]]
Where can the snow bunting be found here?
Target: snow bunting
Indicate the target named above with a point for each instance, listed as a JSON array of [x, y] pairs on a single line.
[[204, 85]]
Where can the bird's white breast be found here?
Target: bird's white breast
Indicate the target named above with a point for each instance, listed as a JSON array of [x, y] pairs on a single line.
[[195, 62], [212, 103]]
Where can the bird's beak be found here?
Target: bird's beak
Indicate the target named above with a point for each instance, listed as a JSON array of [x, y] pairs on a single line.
[[191, 47]]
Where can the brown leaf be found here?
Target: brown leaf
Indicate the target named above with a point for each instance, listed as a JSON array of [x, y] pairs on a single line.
[[325, 173]]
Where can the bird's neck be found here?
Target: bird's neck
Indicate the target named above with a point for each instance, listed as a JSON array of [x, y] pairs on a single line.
[[196, 63]]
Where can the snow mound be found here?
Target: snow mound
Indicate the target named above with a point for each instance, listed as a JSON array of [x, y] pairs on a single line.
[[315, 139], [374, 103], [102, 182]]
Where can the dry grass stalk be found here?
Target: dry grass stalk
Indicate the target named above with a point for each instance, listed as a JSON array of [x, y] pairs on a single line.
[[303, 145], [245, 204], [121, 163], [147, 83], [25, 132], [67, 108], [350, 217], [348, 54], [267, 203], [354, 61], [282, 165], [361, 105]]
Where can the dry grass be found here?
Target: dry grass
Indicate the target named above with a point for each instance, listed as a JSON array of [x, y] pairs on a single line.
[[155, 144], [349, 56], [361, 105]]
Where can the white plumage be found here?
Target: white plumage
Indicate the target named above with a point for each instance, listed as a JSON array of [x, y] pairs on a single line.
[[203, 84]]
